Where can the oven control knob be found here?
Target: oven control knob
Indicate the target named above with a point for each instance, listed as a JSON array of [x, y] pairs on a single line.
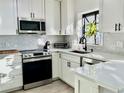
[[29, 55], [25, 56]]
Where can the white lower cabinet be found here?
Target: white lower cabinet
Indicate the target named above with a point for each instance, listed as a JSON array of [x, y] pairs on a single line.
[[13, 69], [63, 65], [67, 73], [84, 85], [13, 82], [56, 65]]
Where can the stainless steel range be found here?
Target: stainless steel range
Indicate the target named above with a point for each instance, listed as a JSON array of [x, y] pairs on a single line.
[[37, 68]]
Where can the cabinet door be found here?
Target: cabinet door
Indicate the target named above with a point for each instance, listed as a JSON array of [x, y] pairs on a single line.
[[67, 73], [8, 17], [60, 66], [52, 17], [11, 83], [24, 8], [67, 11], [84, 85], [37, 8], [55, 65], [73, 66], [112, 14]]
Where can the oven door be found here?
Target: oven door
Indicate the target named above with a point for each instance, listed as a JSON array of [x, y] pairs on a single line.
[[37, 69]]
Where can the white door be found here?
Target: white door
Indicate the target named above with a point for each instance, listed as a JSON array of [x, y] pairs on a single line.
[[52, 17], [24, 8], [67, 12], [37, 8], [8, 17], [64, 16], [71, 78], [65, 70], [112, 14], [55, 65], [84, 85], [12, 82]]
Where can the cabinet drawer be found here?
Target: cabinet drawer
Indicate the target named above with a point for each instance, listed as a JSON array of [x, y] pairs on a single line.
[[71, 58]]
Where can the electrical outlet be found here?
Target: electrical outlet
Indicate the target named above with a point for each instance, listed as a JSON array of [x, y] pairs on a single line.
[[119, 44]]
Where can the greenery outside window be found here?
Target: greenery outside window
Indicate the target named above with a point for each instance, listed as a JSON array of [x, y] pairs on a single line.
[[90, 28]]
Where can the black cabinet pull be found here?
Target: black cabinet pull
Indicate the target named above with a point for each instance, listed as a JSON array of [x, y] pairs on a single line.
[[116, 27], [31, 15], [119, 27], [68, 64]]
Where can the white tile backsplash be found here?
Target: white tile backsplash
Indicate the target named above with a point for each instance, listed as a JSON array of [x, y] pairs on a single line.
[[23, 42], [111, 42]]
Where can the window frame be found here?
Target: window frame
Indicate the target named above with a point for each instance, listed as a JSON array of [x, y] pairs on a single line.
[[84, 19]]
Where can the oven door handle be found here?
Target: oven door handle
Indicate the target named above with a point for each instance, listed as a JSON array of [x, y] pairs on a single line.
[[36, 59]]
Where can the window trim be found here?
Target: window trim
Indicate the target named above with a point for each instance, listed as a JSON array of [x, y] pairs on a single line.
[[95, 13]]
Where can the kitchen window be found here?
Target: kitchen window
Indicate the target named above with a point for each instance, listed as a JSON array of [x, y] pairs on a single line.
[[90, 28]]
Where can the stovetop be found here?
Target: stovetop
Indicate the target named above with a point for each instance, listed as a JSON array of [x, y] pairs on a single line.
[[34, 53]]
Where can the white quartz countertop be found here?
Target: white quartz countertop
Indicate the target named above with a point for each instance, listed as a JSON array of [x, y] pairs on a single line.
[[104, 56], [108, 75]]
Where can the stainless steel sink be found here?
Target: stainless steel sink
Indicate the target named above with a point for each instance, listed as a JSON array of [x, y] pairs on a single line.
[[80, 52]]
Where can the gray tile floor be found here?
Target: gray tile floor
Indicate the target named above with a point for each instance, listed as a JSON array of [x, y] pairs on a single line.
[[54, 87]]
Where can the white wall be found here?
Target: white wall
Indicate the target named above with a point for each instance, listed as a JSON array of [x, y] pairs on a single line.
[[81, 6], [86, 5]]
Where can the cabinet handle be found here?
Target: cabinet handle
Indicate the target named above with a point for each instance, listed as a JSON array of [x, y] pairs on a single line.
[[68, 64], [119, 27], [60, 32], [78, 86], [33, 15], [116, 27]]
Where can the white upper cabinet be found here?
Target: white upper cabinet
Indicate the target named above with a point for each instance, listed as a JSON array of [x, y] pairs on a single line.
[[59, 17], [24, 8], [38, 8], [111, 15], [67, 17], [8, 17], [52, 17], [31, 9]]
